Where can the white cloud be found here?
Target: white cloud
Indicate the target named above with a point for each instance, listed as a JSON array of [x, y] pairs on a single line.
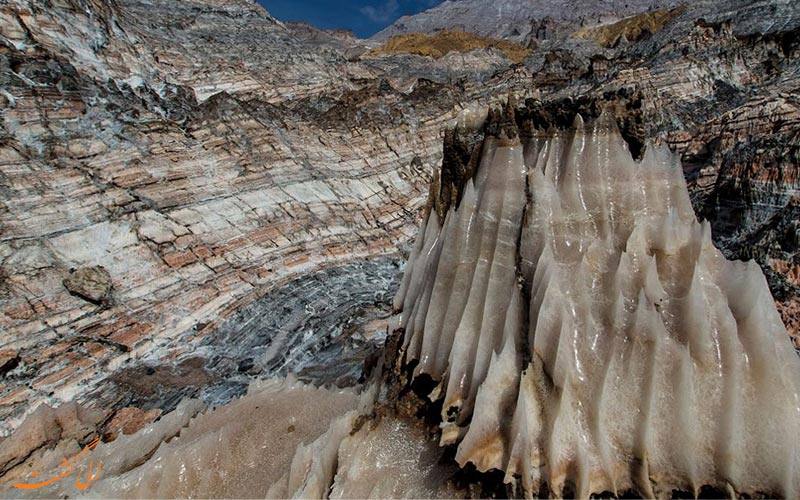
[[381, 13]]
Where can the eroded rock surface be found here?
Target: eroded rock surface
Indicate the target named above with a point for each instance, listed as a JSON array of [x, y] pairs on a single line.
[[327, 327], [159, 141], [522, 20], [9, 359], [128, 420], [46, 428]]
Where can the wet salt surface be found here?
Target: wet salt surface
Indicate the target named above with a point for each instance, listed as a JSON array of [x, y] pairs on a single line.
[[320, 327]]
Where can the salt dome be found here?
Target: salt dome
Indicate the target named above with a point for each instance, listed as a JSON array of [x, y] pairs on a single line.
[[582, 330]]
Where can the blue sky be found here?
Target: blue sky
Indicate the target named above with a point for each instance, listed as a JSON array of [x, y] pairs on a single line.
[[363, 17]]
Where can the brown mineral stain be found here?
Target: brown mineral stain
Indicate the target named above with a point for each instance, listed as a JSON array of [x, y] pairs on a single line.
[[442, 43]]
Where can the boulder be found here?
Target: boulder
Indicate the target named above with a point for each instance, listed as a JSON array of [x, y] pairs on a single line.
[[90, 283]]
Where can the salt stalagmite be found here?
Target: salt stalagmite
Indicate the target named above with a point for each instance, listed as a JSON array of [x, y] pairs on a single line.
[[585, 333]]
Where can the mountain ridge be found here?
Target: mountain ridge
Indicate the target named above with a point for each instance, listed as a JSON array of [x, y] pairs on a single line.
[[517, 20]]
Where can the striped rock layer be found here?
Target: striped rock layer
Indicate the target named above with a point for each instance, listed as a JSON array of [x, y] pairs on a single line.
[[586, 334]]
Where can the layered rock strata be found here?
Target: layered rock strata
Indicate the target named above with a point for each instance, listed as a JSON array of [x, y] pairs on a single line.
[[114, 157], [520, 20], [570, 323], [327, 327]]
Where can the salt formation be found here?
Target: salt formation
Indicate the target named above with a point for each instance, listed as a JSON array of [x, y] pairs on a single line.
[[240, 449], [283, 439], [236, 451], [383, 458], [582, 332], [586, 334]]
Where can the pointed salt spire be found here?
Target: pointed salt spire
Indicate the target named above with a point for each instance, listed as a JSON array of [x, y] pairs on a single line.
[[577, 123], [606, 123], [642, 341]]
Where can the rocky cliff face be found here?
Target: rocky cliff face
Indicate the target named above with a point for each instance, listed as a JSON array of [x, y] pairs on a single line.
[[520, 20], [165, 164], [158, 174]]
